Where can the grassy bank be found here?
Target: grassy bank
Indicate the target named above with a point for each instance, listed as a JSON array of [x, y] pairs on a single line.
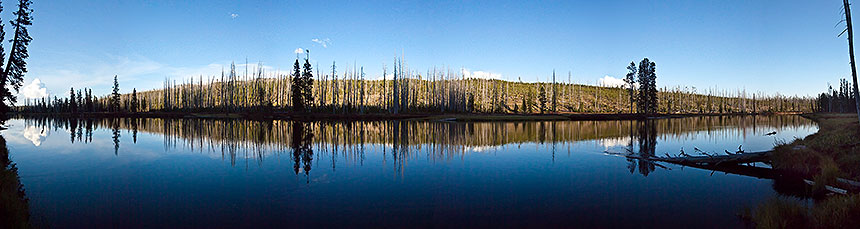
[[828, 158]]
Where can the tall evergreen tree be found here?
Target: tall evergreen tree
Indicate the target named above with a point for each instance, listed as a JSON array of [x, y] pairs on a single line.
[[13, 75], [296, 88], [73, 104], [307, 82], [133, 104], [630, 80], [647, 87], [114, 98], [80, 101], [302, 85], [90, 107]]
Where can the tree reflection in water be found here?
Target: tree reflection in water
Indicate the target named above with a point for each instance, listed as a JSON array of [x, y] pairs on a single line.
[[647, 139], [116, 135], [302, 138], [401, 141], [14, 204]]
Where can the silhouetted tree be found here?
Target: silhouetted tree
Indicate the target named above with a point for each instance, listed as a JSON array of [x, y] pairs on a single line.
[[16, 65], [296, 88], [134, 103], [307, 82], [73, 104], [89, 100], [647, 87], [114, 98], [850, 31], [630, 80]]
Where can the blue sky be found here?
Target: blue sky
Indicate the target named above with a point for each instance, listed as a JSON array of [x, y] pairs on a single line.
[[789, 47]]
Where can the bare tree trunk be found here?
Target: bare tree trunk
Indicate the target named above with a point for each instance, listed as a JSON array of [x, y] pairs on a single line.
[[851, 54]]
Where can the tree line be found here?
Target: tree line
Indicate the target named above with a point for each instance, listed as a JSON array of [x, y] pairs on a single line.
[[840, 100], [403, 90]]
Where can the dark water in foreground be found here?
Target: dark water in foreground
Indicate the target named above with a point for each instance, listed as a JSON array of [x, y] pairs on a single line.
[[214, 173]]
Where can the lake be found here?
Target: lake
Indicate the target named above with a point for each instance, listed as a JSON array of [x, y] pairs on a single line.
[[242, 173]]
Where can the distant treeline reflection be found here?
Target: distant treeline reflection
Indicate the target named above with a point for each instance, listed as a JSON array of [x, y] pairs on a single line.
[[256, 139]]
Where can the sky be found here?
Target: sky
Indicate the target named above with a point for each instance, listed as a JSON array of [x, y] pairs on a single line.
[[787, 47]]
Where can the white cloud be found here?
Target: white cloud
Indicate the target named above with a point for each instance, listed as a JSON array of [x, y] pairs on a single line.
[[324, 42], [609, 81], [234, 15], [36, 89], [299, 51], [480, 74]]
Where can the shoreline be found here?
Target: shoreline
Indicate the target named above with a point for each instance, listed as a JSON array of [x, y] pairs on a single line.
[[827, 159], [453, 117]]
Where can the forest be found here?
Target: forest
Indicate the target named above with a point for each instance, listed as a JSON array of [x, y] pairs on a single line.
[[407, 91], [839, 100]]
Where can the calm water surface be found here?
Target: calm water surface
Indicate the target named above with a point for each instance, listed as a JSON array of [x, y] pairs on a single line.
[[216, 173]]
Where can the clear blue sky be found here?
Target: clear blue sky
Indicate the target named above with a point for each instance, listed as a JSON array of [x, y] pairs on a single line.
[[771, 46]]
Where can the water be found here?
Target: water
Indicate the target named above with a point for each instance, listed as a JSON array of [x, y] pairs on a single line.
[[216, 173]]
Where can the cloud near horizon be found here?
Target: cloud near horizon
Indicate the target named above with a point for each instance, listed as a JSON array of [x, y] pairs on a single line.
[[609, 81], [36, 89], [480, 74]]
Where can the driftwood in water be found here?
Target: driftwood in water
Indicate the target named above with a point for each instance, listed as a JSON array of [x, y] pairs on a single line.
[[737, 158]]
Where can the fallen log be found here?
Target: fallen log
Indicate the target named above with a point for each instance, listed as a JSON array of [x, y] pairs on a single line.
[[738, 158]]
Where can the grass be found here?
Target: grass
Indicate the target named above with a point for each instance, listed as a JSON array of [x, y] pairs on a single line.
[[833, 152]]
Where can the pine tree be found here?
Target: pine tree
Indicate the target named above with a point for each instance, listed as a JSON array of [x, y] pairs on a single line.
[[134, 103], [647, 87], [296, 88], [16, 65], [80, 101], [307, 83], [630, 80], [525, 105], [89, 100], [73, 105], [114, 99]]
